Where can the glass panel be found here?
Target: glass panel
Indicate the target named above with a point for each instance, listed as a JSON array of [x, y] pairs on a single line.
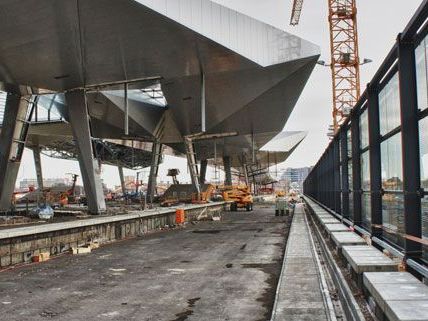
[[389, 106], [422, 74], [393, 217], [423, 145], [425, 226], [392, 174], [349, 137], [366, 209], [364, 129], [365, 171], [351, 195]]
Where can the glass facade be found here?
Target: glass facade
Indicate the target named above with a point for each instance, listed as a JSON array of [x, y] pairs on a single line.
[[365, 187], [389, 106], [392, 170], [399, 205], [421, 56], [423, 144], [364, 129]]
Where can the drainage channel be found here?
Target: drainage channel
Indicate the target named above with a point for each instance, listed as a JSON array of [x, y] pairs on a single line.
[[305, 290]]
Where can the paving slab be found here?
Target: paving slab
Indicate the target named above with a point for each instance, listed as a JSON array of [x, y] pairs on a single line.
[[407, 311], [325, 220], [398, 294], [329, 228], [368, 260], [341, 239]]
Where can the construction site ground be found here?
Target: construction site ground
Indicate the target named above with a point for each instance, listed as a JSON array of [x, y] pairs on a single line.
[[213, 270]]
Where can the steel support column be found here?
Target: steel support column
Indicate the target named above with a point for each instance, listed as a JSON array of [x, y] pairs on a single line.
[[227, 170], [410, 146], [122, 179], [191, 163], [203, 171], [154, 169], [356, 167], [38, 166], [345, 178], [80, 124], [12, 141], [375, 160]]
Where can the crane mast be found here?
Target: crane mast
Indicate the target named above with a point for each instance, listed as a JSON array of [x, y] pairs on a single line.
[[345, 59]]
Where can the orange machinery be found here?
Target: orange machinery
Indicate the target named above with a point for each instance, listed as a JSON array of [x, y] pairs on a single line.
[[240, 196]]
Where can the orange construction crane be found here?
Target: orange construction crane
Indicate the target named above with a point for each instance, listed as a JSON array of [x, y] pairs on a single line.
[[345, 60]]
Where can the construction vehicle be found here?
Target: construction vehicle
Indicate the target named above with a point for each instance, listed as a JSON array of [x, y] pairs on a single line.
[[174, 172], [281, 206], [185, 193], [240, 196]]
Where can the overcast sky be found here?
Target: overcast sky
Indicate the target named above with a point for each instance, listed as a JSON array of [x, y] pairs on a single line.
[[379, 22]]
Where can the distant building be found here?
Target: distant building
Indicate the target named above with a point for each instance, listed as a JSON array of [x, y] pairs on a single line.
[[294, 177], [47, 182]]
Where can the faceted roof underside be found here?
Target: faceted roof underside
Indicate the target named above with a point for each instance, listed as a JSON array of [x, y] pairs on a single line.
[[253, 73]]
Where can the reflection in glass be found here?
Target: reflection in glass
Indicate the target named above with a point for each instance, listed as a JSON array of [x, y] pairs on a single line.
[[392, 174], [423, 145], [366, 209], [425, 226], [349, 138], [422, 74], [389, 106], [351, 194], [393, 217], [365, 171], [364, 129]]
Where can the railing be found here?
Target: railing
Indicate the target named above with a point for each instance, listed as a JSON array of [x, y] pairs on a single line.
[[374, 173]]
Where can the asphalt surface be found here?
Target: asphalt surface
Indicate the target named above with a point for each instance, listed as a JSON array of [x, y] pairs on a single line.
[[225, 270]]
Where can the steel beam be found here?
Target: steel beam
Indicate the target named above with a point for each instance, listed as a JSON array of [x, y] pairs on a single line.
[[410, 146], [38, 166], [227, 170], [375, 160], [191, 163], [80, 124], [12, 139], [154, 169], [203, 171]]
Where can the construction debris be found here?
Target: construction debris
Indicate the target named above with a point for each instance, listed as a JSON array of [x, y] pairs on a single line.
[[41, 257], [81, 250]]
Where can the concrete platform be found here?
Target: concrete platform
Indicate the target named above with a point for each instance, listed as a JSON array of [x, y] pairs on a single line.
[[330, 228], [341, 239], [299, 295], [19, 244], [400, 296], [225, 270], [368, 259]]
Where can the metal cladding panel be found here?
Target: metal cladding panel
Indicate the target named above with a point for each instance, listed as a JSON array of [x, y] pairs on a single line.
[[255, 40], [284, 142]]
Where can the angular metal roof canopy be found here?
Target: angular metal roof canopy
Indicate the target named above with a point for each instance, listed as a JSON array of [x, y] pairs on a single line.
[[253, 73]]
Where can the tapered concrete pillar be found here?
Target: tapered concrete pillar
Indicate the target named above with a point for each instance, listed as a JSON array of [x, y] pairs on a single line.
[[12, 141], [38, 165], [122, 180], [227, 170], [154, 169], [79, 121], [203, 171]]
